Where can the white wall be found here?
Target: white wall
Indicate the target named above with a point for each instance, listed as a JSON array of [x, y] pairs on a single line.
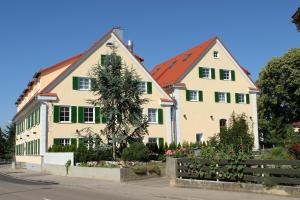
[[58, 158]]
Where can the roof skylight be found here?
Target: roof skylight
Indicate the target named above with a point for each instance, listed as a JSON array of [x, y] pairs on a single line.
[[187, 57]]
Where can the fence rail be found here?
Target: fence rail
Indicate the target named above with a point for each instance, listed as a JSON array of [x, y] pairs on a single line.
[[282, 172]]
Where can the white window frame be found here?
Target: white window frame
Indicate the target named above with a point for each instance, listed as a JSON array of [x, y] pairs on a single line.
[[89, 83], [225, 97], [197, 95], [65, 142], [244, 98], [229, 75], [145, 86], [156, 117], [70, 114], [89, 122], [209, 72], [217, 54]]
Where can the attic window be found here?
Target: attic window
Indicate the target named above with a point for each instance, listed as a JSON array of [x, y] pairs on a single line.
[[186, 57], [216, 54], [172, 64]]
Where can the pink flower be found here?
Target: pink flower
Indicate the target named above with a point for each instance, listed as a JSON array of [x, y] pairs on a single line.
[[169, 152]]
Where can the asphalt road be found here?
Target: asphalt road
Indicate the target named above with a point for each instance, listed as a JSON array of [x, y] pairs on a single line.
[[66, 188]]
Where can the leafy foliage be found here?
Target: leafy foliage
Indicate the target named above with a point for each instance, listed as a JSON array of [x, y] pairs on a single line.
[[279, 101], [237, 135], [7, 142], [136, 152], [120, 99]]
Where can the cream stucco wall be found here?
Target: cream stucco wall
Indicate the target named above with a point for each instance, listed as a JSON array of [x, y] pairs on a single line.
[[29, 159], [68, 96], [203, 117]]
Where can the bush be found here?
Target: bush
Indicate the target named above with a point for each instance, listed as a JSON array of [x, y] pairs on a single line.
[[276, 153], [153, 168], [136, 152], [173, 146], [60, 148], [140, 169]]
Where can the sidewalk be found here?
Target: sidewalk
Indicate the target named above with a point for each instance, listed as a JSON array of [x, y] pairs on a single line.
[[155, 188]]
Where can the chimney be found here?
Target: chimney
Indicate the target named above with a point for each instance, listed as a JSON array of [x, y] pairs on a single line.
[[119, 32], [130, 45]]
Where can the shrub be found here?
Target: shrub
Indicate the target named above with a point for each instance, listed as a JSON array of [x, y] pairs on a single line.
[[172, 146], [136, 152], [153, 148], [153, 168], [161, 148], [276, 153], [140, 169], [166, 147]]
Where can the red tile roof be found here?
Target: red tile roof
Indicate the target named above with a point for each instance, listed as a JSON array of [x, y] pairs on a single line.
[[169, 72]]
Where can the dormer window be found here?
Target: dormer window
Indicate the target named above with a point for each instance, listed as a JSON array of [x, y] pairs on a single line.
[[216, 54]]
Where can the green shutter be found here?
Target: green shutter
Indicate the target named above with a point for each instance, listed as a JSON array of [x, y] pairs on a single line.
[[221, 74], [74, 114], [216, 97], [56, 141], [247, 99], [200, 95], [228, 97], [97, 115], [160, 116], [200, 72], [232, 75], [56, 114], [81, 141], [93, 83], [103, 59], [213, 73], [149, 87], [80, 115], [38, 147], [35, 147], [104, 119], [74, 141], [237, 98], [39, 115], [187, 95], [75, 83]]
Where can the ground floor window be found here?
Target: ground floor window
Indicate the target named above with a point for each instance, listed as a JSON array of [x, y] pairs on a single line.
[[222, 123], [89, 114], [65, 142], [152, 140], [199, 137]]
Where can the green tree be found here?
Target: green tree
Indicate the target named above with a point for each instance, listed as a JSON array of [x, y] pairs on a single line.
[[3, 144], [237, 135], [279, 101], [116, 87]]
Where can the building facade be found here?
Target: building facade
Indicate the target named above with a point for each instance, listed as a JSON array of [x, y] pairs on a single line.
[[208, 85], [53, 108], [191, 96]]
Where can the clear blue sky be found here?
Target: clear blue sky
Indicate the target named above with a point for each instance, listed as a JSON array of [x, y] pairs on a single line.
[[36, 34]]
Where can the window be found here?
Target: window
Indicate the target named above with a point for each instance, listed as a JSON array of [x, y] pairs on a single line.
[[222, 97], [88, 115], [222, 123], [142, 86], [152, 140], [64, 142], [241, 98], [84, 84], [226, 75], [193, 95], [199, 137], [64, 114], [206, 73], [172, 64], [152, 115], [216, 54]]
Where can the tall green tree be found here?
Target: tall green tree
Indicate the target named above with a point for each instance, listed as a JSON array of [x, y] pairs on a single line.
[[279, 101], [3, 144], [116, 87]]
